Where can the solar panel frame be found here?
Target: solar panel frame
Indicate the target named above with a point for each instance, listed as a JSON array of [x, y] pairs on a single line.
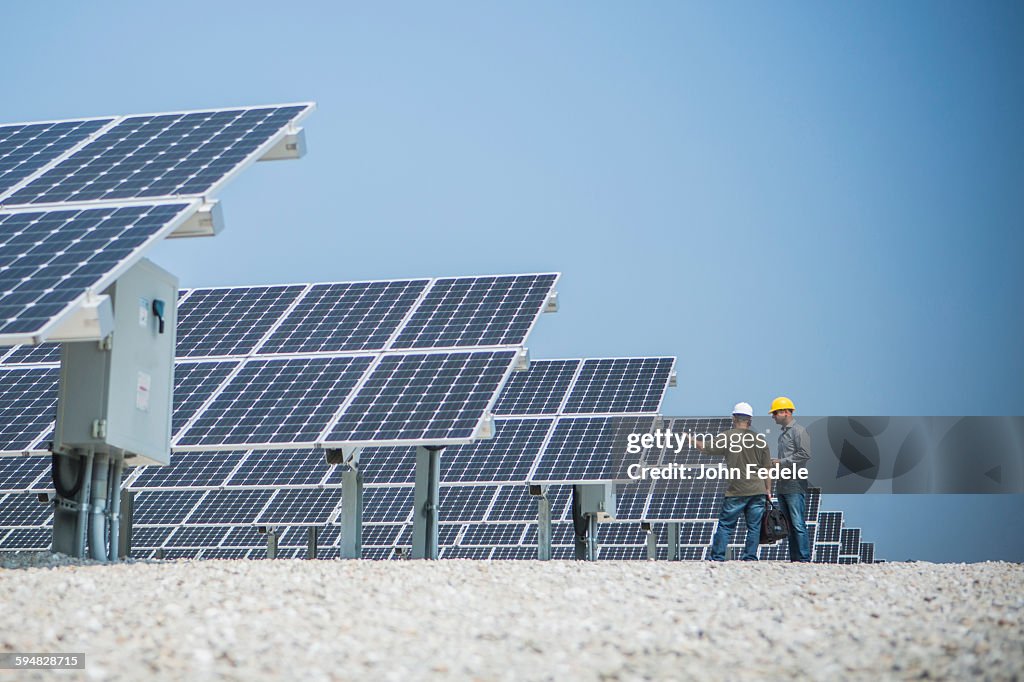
[[73, 134], [91, 285], [123, 123], [28, 407]]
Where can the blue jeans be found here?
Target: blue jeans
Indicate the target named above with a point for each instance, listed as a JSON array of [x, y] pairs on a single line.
[[752, 507], [794, 506]]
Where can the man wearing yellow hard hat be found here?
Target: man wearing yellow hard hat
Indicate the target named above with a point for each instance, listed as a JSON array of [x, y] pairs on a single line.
[[793, 453]]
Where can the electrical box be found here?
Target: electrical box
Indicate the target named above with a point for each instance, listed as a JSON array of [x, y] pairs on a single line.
[[115, 395], [597, 499]]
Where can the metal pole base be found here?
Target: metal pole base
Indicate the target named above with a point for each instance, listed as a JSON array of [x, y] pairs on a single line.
[[425, 503]]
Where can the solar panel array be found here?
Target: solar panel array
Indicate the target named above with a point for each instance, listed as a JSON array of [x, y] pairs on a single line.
[[81, 201], [209, 504], [250, 376]]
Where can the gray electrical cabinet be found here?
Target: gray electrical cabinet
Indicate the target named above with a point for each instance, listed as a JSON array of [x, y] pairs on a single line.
[[115, 395], [597, 499]]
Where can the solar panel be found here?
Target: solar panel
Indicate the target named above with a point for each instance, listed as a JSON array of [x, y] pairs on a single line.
[[581, 449], [829, 526], [850, 541], [197, 536], [539, 390], [225, 553], [230, 507], [164, 507], [162, 155], [620, 386], [423, 397], [384, 466], [150, 536], [477, 311], [611, 553], [17, 474], [230, 320], [514, 503], [188, 470], [389, 504], [353, 316], [514, 553], [25, 355], [631, 501], [244, 536], [286, 401], [27, 148], [281, 469], [309, 507], [19, 510], [27, 539], [464, 502], [867, 552], [50, 259], [194, 384], [826, 554], [382, 535], [28, 406], [492, 534], [507, 456], [458, 552]]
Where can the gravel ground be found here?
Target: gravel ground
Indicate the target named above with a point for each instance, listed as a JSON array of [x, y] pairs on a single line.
[[319, 620]]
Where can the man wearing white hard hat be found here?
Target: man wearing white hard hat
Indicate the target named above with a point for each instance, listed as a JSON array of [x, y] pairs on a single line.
[[747, 454]]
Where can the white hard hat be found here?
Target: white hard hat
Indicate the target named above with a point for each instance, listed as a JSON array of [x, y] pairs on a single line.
[[743, 409]]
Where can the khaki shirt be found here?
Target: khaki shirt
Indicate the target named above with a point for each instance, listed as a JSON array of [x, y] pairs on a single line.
[[760, 457]]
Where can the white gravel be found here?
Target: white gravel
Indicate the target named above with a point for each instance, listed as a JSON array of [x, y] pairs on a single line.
[[320, 620]]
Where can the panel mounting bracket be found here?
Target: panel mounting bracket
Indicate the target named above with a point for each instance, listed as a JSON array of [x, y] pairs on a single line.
[[673, 380], [522, 360], [291, 146], [205, 222], [92, 321], [551, 305], [485, 429]]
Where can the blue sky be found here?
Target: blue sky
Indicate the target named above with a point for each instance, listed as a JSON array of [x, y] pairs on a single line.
[[817, 200]]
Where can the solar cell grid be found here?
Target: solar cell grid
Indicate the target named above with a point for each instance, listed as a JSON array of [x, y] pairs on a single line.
[[150, 536], [194, 383], [276, 401], [581, 449], [459, 552], [850, 540], [244, 536], [189, 470], [384, 535], [25, 355], [230, 321], [164, 507], [28, 406], [353, 316], [538, 390], [27, 148], [507, 456], [514, 503], [867, 552], [611, 553], [829, 526], [280, 469], [230, 507], [197, 536], [620, 385], [225, 553], [384, 465], [826, 554], [159, 155], [423, 397], [464, 502], [492, 534], [477, 311], [27, 539], [387, 504], [303, 506], [19, 473], [50, 259], [20, 510]]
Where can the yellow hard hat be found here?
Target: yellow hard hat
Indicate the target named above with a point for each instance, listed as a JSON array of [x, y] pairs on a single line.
[[782, 403]]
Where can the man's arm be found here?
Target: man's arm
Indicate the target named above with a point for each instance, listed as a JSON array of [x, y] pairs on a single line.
[[801, 448], [706, 449]]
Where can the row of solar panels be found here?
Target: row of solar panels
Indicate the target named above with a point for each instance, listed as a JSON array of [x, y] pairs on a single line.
[[477, 519], [289, 402]]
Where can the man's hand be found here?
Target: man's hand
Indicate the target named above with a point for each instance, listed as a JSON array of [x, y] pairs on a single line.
[[775, 462]]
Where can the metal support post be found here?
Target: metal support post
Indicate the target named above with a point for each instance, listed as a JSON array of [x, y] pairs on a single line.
[[652, 542], [425, 502], [271, 543], [580, 526], [351, 514], [127, 517], [311, 543], [592, 537], [543, 525], [115, 508], [674, 552]]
